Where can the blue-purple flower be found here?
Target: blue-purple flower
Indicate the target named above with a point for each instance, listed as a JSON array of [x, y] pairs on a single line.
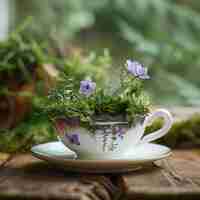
[[137, 69], [74, 139], [87, 87], [120, 132]]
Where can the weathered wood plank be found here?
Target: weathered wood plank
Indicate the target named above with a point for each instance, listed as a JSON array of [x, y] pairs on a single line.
[[177, 177], [28, 177]]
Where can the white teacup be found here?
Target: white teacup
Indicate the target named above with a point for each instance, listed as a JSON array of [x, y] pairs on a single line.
[[109, 140]]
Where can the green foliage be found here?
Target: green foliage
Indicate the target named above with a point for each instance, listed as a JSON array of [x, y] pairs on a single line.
[[164, 34], [65, 18], [182, 132], [128, 100], [180, 64], [35, 129], [20, 54], [90, 65]]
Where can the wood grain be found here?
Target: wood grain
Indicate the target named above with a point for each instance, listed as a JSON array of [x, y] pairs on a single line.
[[29, 178], [177, 177]]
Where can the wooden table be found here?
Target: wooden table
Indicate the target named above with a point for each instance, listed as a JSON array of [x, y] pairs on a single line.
[[177, 177], [26, 177]]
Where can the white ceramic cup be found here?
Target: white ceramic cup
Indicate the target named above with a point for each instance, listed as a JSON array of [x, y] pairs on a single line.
[[110, 140]]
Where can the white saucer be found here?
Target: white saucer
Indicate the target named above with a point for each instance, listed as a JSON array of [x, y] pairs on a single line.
[[57, 153]]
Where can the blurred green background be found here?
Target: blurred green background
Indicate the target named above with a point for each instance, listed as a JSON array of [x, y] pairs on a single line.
[[162, 34]]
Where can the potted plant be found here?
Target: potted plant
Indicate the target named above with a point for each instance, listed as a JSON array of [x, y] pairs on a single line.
[[102, 122], [21, 58]]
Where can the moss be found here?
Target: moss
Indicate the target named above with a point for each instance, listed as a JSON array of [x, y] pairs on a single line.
[[34, 130], [186, 131]]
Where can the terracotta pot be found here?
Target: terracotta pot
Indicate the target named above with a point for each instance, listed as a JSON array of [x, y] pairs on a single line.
[[13, 108], [7, 111]]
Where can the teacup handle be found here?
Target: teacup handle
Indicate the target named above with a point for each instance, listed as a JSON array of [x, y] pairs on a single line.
[[168, 121]]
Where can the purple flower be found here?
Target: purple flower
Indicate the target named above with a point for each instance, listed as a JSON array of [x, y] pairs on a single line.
[[74, 139], [137, 69], [120, 132], [87, 87]]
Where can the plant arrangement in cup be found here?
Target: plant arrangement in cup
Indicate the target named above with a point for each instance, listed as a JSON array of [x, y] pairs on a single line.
[[92, 120], [87, 102]]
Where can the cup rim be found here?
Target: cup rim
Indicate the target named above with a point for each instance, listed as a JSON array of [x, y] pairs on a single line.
[[101, 123], [104, 123]]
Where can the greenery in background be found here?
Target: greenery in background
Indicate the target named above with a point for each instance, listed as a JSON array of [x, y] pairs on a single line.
[[25, 49], [35, 129], [83, 65], [21, 55], [163, 34]]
